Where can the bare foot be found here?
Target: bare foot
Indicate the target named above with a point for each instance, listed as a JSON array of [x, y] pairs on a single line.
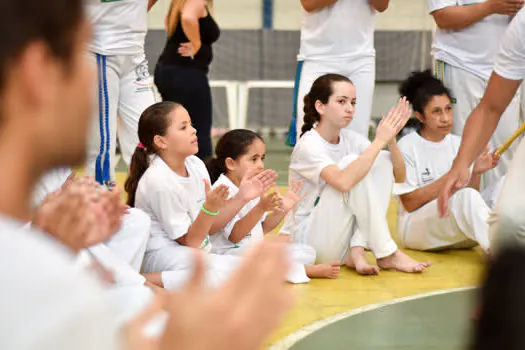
[[330, 270], [357, 261], [401, 262]]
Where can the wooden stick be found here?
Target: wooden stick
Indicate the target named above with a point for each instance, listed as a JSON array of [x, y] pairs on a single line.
[[510, 140]]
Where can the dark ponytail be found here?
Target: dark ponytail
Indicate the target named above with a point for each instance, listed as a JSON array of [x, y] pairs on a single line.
[[153, 121], [321, 91], [233, 144], [215, 167]]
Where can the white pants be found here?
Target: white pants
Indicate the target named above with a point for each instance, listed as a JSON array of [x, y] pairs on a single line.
[[129, 301], [352, 219], [360, 71], [468, 89], [123, 92], [299, 255], [491, 193], [465, 227], [176, 263], [130, 242], [507, 221], [123, 254]]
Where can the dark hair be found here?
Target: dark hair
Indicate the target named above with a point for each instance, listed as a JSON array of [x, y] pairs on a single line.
[[420, 87], [53, 22], [153, 121], [500, 324], [233, 144], [321, 90]]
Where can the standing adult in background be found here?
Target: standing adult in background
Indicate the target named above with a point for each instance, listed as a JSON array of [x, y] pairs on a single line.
[[124, 84], [465, 45], [181, 74], [337, 36]]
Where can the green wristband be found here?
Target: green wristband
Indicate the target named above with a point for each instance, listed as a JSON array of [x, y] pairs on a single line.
[[210, 213]]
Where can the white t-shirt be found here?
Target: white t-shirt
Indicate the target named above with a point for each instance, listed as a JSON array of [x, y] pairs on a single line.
[[425, 162], [119, 26], [473, 48], [172, 202], [510, 61], [220, 240], [342, 30], [310, 156], [46, 302], [49, 183]]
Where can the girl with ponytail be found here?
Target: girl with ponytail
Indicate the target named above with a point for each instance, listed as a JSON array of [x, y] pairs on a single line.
[[428, 155], [241, 152], [347, 180], [170, 184]]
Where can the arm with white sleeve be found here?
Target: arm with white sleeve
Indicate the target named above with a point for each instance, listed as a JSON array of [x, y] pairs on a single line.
[[450, 16]]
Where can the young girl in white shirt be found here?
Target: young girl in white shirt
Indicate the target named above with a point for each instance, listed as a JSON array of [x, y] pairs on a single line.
[[347, 181], [172, 186], [238, 153], [428, 155]]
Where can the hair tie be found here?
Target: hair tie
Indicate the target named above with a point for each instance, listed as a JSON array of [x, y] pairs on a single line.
[[141, 146]]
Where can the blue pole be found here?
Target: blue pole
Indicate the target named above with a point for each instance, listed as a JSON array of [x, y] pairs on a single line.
[[267, 12]]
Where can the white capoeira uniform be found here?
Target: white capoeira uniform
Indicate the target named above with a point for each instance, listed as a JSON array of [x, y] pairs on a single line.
[[507, 221], [173, 203], [463, 61], [423, 229], [337, 39], [124, 88], [124, 252], [299, 254], [331, 221], [122, 255], [46, 302]]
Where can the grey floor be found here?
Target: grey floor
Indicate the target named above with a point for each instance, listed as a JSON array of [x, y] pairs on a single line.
[[440, 322]]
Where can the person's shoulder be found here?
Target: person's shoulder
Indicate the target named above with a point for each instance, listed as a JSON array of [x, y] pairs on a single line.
[[224, 180], [409, 138], [309, 141], [155, 177], [407, 142]]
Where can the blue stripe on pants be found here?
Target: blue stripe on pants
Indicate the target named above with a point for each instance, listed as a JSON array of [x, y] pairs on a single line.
[[98, 165], [292, 130], [106, 172]]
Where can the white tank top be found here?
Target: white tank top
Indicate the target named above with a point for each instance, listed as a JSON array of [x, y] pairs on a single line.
[[119, 26], [342, 30]]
